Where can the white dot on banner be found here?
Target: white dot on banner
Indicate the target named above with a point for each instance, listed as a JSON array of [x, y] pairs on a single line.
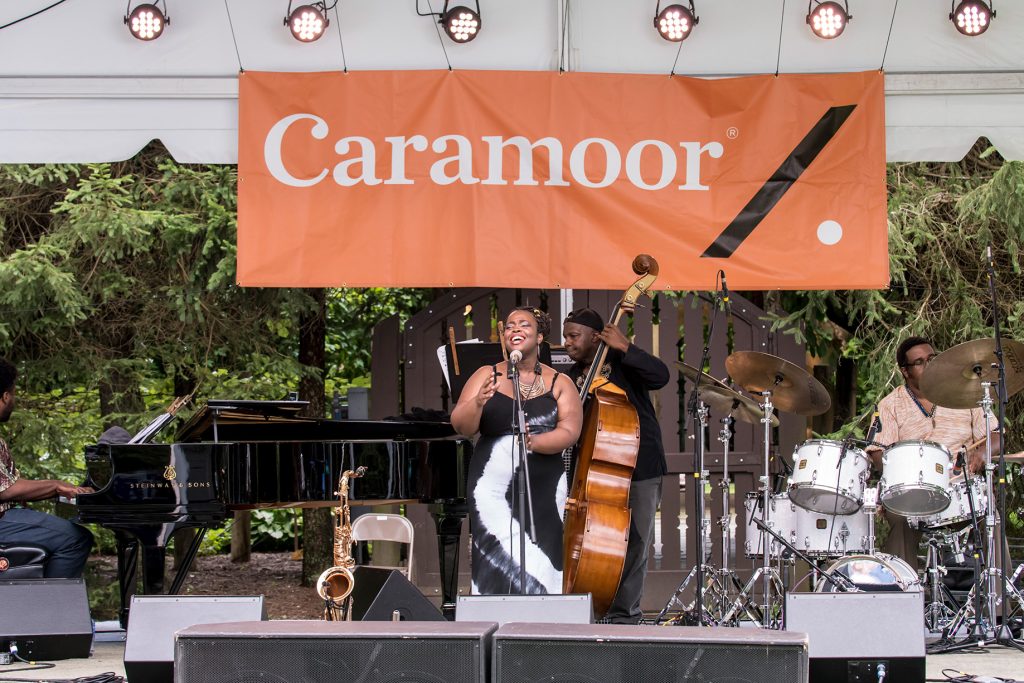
[[830, 232]]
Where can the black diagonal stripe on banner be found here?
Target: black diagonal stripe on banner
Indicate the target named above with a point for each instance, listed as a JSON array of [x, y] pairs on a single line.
[[775, 187]]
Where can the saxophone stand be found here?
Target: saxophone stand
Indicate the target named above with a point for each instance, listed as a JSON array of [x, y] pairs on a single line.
[[523, 495]]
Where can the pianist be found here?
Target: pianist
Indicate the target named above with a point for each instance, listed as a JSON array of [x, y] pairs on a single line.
[[67, 544]]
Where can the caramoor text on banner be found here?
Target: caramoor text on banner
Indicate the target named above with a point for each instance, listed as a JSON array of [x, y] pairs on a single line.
[[539, 179]]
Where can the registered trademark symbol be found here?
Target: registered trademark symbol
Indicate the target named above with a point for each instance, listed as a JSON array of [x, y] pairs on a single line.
[[733, 133]]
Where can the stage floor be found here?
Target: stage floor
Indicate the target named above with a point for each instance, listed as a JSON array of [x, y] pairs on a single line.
[[996, 661]]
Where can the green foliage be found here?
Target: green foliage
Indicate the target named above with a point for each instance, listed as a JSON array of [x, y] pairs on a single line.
[[217, 540], [275, 529], [942, 216]]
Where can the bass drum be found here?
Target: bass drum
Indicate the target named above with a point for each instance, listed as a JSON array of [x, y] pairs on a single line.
[[874, 573]]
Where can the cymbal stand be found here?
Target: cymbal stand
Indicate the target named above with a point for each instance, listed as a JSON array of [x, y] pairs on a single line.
[[728, 579], [773, 589], [707, 585]]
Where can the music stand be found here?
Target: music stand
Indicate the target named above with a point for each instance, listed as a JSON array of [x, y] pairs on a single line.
[[471, 356]]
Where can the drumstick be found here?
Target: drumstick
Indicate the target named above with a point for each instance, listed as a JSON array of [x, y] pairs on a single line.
[[455, 354], [501, 338]]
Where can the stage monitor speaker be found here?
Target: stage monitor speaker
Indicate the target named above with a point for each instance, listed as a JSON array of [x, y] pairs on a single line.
[[331, 651], [851, 634], [548, 609], [378, 593], [153, 620], [45, 618], [571, 653]]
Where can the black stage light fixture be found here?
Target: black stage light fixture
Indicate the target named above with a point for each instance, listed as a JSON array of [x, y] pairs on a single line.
[[828, 19], [972, 17], [307, 22], [675, 22], [460, 23], [146, 21]]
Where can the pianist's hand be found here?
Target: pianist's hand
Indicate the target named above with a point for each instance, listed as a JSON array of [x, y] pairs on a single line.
[[71, 490]]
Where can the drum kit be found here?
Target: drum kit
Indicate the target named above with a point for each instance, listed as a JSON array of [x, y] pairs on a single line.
[[827, 511]]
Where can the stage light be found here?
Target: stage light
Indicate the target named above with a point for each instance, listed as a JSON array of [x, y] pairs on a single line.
[[146, 21], [972, 17], [675, 22], [461, 24], [828, 19], [307, 22]]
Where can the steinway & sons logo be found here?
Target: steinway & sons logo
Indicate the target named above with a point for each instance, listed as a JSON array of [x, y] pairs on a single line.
[[170, 476]]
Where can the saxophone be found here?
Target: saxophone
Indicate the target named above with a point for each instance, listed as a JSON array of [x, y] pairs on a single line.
[[336, 583]]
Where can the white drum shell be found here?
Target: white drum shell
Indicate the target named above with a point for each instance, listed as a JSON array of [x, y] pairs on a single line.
[[822, 484], [915, 478], [878, 571], [958, 513], [812, 533]]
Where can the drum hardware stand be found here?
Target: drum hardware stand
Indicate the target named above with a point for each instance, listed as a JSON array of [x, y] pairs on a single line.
[[728, 579], [708, 580], [937, 613]]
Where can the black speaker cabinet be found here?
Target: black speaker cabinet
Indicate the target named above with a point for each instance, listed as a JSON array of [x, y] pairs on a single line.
[[46, 618], [153, 620], [377, 593], [580, 653], [331, 651]]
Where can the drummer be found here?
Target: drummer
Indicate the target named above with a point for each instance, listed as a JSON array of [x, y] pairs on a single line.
[[906, 415]]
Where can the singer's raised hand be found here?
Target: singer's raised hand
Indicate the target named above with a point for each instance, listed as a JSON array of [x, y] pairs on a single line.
[[486, 391]]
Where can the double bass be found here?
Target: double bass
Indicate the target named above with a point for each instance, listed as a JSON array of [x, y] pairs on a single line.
[[597, 512]]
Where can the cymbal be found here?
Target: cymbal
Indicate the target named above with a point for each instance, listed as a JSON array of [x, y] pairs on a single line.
[[954, 378], [722, 398], [793, 389]]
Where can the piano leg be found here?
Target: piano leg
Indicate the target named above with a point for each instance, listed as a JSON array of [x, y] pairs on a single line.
[[448, 519], [186, 561], [127, 563]]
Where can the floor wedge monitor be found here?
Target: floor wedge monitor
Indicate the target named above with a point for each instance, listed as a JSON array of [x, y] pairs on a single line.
[[580, 653], [45, 618], [149, 645], [331, 651]]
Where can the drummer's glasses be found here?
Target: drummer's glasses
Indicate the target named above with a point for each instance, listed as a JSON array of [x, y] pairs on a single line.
[[921, 362]]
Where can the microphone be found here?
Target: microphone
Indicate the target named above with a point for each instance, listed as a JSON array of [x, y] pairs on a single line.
[[515, 357]]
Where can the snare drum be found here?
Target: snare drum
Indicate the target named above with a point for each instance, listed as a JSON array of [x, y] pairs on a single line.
[[873, 573], [821, 483], [821, 535], [958, 514], [915, 478], [782, 521]]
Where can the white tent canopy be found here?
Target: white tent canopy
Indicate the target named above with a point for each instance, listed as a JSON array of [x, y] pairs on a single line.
[[75, 86]]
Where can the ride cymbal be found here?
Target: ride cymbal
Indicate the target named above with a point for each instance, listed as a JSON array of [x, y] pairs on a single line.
[[793, 389], [722, 398], [954, 379]]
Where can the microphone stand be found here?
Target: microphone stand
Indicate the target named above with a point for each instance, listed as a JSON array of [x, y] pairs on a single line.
[[525, 500]]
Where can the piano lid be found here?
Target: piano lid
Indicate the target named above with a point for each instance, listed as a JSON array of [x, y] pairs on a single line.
[[225, 420]]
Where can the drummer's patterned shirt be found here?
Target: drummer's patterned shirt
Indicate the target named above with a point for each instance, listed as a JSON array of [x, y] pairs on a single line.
[[8, 473], [904, 420]]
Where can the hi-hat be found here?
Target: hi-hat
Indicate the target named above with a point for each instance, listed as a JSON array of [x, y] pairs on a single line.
[[954, 379], [721, 398], [793, 389]]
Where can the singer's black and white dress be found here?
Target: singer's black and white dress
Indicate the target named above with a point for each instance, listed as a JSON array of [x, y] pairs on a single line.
[[494, 509]]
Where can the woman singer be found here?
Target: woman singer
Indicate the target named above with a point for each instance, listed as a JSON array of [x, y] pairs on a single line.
[[554, 418]]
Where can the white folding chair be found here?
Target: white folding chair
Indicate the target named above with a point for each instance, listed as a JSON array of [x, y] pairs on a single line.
[[386, 527]]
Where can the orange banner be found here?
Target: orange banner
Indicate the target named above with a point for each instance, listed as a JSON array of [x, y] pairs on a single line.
[[539, 179]]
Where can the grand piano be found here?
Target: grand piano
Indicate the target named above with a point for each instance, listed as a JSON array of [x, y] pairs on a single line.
[[244, 455]]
